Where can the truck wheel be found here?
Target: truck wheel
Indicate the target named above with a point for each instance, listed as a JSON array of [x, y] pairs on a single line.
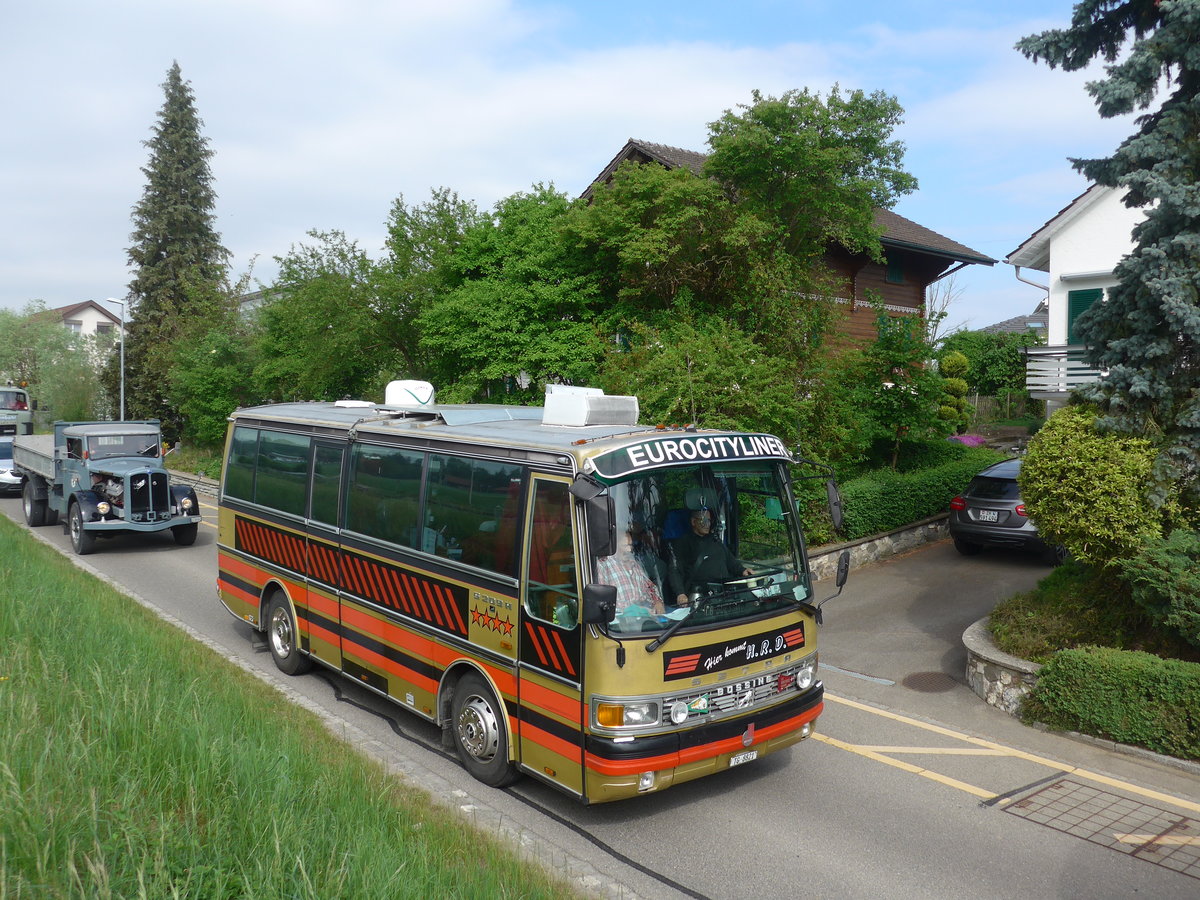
[[185, 535], [83, 541], [35, 509], [283, 639], [479, 733]]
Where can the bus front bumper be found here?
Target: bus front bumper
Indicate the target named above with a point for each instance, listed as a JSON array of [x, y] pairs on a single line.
[[618, 769]]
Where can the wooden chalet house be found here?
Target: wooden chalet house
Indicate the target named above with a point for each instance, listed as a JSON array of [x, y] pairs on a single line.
[[914, 256]]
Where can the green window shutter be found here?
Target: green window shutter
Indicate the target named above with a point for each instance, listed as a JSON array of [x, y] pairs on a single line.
[[1077, 303], [895, 270]]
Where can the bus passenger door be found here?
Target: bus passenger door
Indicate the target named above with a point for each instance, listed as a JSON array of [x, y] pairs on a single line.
[[322, 559], [550, 671]]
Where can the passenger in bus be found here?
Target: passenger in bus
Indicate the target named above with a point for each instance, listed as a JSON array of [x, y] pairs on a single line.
[[645, 548], [626, 573], [700, 558]]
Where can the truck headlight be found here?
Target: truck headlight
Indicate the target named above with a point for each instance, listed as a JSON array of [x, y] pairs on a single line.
[[104, 507], [186, 504]]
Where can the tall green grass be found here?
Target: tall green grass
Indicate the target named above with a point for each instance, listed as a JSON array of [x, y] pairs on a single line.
[[135, 762]]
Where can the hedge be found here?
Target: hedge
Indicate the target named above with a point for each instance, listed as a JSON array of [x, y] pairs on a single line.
[[1128, 696], [883, 500]]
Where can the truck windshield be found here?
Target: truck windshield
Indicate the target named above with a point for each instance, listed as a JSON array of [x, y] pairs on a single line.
[[109, 446], [709, 543]]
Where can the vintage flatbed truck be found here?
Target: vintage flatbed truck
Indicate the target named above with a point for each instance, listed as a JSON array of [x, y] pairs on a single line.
[[103, 478]]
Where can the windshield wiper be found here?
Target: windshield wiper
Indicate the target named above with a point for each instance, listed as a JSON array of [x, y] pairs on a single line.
[[678, 623]]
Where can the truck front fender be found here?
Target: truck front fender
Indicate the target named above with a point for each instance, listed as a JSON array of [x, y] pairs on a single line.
[[88, 501], [180, 493]]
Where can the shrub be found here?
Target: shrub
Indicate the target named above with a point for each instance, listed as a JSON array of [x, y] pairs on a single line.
[[1164, 578], [1130, 697], [1087, 491], [882, 500]]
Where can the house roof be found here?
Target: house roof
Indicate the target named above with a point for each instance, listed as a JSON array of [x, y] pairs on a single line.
[[68, 312], [1038, 320], [1035, 252], [898, 231]]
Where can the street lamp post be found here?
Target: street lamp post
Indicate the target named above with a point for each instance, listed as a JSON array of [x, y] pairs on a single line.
[[122, 305]]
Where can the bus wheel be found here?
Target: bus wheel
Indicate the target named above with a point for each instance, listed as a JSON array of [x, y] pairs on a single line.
[[479, 733], [283, 639], [185, 535], [35, 509], [82, 540]]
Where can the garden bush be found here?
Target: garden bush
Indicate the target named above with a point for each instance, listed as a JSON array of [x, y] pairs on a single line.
[[1130, 697], [1164, 579], [1087, 491], [883, 500]]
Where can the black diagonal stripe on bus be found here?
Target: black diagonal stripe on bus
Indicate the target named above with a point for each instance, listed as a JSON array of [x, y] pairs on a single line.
[[390, 653], [537, 719]]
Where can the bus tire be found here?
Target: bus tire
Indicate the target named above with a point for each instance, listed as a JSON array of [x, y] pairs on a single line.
[[479, 734], [35, 509], [185, 535], [82, 540], [284, 639]]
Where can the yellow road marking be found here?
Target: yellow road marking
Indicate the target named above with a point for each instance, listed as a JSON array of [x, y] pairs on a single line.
[[1000, 750], [907, 767], [935, 751], [1166, 840]]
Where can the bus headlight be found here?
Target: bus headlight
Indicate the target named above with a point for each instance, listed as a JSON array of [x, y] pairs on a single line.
[[679, 712], [185, 504], [103, 507], [805, 676], [617, 715]]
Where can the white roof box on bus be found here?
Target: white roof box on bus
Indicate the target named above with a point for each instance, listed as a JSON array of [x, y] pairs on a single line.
[[569, 405], [408, 394]]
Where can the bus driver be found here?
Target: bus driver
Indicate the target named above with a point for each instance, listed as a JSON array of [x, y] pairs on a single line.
[[701, 558]]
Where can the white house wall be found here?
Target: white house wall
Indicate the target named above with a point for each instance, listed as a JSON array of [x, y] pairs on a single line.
[[1084, 253]]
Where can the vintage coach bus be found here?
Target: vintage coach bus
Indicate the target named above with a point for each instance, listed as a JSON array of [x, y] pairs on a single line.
[[459, 560]]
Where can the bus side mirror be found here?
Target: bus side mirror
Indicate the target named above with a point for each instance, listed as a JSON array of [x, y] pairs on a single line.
[[835, 504], [599, 604], [600, 515]]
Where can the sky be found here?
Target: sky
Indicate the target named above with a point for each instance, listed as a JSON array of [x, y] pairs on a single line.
[[321, 113]]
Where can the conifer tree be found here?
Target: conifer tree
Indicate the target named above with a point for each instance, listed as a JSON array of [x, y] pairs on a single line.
[[178, 261], [1147, 333]]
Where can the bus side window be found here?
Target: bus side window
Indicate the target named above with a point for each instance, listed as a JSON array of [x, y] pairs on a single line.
[[552, 588]]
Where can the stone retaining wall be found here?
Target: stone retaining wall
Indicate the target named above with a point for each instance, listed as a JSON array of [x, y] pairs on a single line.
[[1000, 679], [823, 560]]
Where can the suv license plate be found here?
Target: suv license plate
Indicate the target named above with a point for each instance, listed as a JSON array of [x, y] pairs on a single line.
[[989, 515], [739, 758]]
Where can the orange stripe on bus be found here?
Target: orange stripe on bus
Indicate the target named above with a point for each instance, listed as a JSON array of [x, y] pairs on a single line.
[[241, 568], [537, 644], [538, 697], [572, 752], [570, 669]]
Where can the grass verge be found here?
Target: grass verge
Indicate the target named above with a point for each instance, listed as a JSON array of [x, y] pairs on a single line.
[[137, 763]]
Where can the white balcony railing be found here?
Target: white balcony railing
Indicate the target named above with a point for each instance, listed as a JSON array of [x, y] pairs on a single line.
[[1053, 371]]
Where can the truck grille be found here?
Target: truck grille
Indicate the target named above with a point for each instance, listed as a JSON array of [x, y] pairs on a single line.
[[148, 498]]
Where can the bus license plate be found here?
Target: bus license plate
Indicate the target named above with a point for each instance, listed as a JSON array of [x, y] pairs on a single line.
[[738, 758]]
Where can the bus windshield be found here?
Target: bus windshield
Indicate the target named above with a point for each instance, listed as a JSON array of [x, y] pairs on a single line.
[[709, 543]]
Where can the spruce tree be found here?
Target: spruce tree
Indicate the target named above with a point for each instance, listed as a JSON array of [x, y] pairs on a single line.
[[178, 261], [1147, 333]]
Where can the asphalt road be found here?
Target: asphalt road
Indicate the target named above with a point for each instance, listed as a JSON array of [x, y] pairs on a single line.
[[911, 787]]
